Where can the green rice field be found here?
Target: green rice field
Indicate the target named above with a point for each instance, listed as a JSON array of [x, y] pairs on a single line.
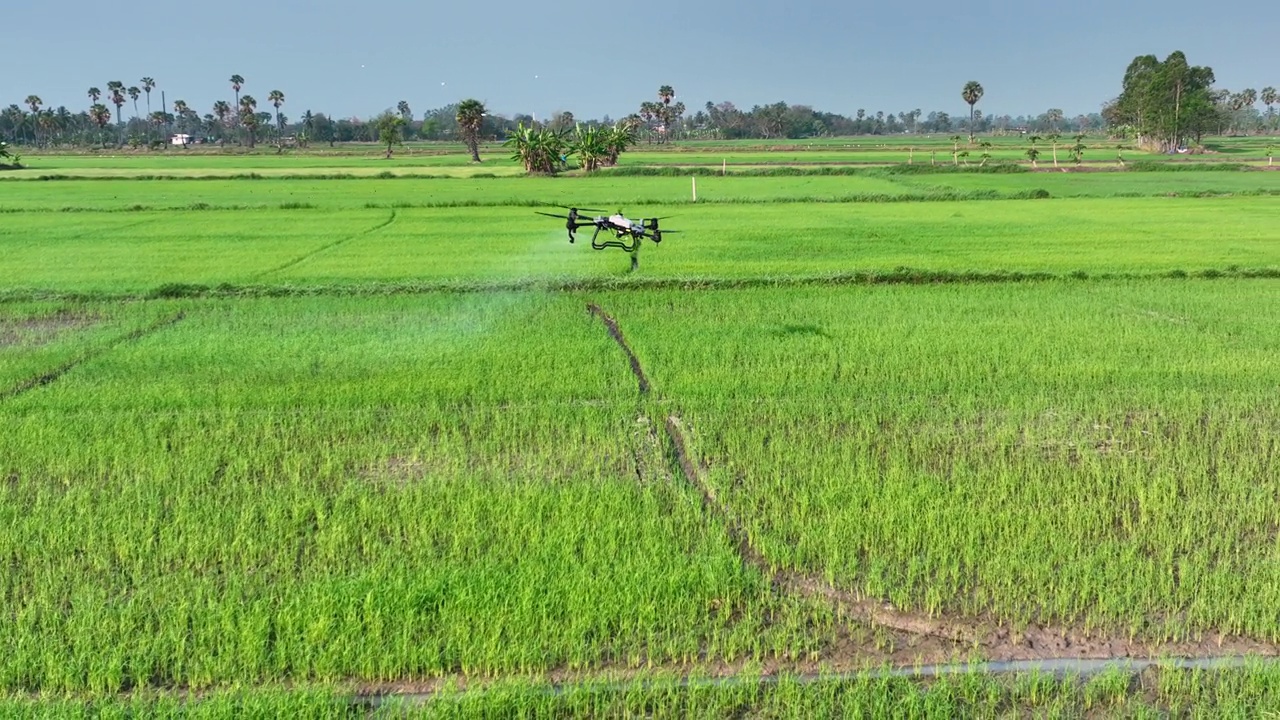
[[297, 441]]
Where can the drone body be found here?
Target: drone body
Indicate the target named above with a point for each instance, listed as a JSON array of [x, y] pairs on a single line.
[[627, 234]]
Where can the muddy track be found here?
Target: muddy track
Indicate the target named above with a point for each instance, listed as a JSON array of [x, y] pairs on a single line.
[[57, 372], [991, 639], [327, 246], [616, 333], [372, 696], [984, 635]]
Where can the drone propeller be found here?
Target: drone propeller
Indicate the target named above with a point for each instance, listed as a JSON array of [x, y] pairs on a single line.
[[562, 217], [582, 209]]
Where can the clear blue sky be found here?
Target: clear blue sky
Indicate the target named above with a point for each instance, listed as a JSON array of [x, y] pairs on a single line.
[[594, 58]]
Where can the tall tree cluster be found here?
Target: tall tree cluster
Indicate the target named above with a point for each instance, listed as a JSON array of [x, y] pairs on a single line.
[[1166, 102]]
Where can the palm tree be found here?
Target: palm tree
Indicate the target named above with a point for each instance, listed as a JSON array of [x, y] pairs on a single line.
[[1269, 97], [275, 97], [134, 93], [148, 84], [116, 89], [247, 117], [34, 102], [100, 115], [308, 124], [237, 82], [470, 118], [181, 110], [666, 94], [94, 94], [221, 110], [1053, 116], [972, 93]]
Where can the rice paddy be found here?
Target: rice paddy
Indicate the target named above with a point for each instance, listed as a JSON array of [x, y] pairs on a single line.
[[291, 442]]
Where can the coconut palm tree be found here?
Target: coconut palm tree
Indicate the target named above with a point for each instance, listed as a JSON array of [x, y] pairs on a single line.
[[972, 93], [275, 97], [470, 118]]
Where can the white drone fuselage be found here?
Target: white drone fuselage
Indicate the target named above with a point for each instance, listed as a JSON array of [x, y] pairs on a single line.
[[620, 221]]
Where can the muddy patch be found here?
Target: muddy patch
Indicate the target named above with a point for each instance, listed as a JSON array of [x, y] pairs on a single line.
[[616, 333], [38, 330], [52, 375]]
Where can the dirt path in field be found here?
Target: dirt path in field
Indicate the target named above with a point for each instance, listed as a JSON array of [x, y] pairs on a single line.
[[57, 372], [988, 638], [931, 639], [615, 332], [370, 696], [327, 246]]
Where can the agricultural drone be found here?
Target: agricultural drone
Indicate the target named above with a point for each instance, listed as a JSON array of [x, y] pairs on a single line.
[[627, 234]]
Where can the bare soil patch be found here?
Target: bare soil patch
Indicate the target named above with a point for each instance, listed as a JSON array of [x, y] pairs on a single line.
[[612, 326], [40, 330]]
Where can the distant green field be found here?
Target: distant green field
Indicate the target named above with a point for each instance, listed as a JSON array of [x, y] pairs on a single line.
[[611, 192], [135, 252]]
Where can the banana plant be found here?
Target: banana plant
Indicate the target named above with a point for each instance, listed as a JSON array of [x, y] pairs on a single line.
[[541, 150], [591, 145], [621, 136]]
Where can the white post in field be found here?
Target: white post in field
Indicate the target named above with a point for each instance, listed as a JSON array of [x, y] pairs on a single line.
[[695, 187]]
